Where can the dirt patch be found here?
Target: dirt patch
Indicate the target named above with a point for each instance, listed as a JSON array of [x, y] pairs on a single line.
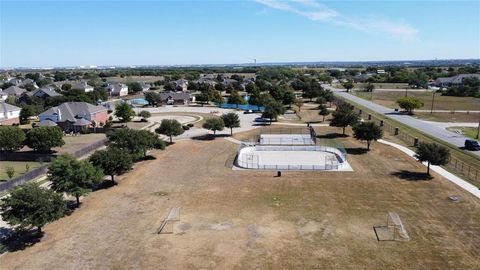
[[230, 219]]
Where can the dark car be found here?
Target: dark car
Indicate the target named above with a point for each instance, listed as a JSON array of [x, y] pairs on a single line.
[[472, 145]]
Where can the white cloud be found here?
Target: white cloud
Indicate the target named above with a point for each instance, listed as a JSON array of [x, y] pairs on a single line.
[[316, 11]]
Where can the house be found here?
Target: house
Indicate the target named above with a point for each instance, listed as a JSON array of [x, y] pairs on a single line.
[[83, 86], [455, 80], [9, 114], [117, 89], [145, 86], [181, 85], [43, 93], [3, 96], [14, 91], [71, 115], [176, 98], [381, 71]]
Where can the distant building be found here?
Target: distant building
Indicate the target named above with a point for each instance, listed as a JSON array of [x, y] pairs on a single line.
[[181, 85], [43, 93], [117, 89], [145, 86], [14, 91], [72, 115], [455, 80], [83, 86], [9, 114], [176, 98], [381, 71]]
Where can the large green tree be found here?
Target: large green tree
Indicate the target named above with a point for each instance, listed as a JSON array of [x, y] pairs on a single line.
[[44, 138], [367, 131], [323, 111], [12, 138], [432, 153], [170, 128], [231, 120], [30, 205], [124, 112], [344, 116], [136, 142], [26, 112], [73, 177], [214, 124], [348, 85], [113, 161], [409, 104], [236, 98]]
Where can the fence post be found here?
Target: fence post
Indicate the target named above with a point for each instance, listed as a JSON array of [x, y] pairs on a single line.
[[415, 142], [396, 131], [369, 117], [381, 123]]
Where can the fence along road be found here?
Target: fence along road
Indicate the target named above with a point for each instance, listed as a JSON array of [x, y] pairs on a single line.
[[425, 127]]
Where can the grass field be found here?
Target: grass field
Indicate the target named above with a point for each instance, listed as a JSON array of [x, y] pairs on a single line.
[[388, 98], [252, 220], [449, 117], [20, 168], [470, 132]]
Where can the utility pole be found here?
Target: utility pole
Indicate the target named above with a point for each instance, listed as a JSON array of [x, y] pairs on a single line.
[[433, 100], [478, 130], [406, 93]]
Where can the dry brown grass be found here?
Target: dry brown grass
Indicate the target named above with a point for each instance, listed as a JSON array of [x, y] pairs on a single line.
[[388, 99], [250, 219], [449, 117]]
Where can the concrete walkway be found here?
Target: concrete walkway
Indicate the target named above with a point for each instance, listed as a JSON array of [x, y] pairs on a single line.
[[441, 171]]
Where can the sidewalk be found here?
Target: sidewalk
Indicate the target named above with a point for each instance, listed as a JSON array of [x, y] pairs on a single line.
[[441, 171]]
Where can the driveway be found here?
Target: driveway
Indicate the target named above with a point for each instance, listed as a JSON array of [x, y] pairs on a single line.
[[434, 130]]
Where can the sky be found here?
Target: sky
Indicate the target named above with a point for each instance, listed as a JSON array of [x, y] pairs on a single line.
[[123, 33]]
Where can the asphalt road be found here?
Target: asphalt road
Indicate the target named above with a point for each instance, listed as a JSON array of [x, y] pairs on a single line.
[[425, 127]]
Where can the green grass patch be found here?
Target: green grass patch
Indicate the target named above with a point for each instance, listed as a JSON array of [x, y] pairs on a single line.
[[20, 168], [160, 193], [470, 132]]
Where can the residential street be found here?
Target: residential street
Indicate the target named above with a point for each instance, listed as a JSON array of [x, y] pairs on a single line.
[[423, 126]]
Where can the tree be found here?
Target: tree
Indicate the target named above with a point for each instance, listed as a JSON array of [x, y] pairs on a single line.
[[10, 172], [299, 104], [134, 87], [26, 112], [145, 115], [432, 153], [125, 112], [153, 98], [73, 177], [344, 116], [113, 161], [323, 111], [348, 85], [369, 87], [367, 131], [231, 120], [170, 128], [12, 138], [235, 98], [44, 138], [214, 124], [258, 99], [30, 205], [289, 98], [409, 104], [136, 142], [202, 98], [270, 113]]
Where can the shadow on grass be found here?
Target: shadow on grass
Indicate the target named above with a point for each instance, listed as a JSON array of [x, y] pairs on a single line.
[[332, 136], [105, 184], [13, 241], [209, 137], [147, 157], [356, 151], [412, 176]]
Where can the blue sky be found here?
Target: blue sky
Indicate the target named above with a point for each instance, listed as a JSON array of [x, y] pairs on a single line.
[[72, 33]]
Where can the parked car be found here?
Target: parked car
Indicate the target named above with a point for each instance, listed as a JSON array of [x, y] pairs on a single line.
[[472, 145]]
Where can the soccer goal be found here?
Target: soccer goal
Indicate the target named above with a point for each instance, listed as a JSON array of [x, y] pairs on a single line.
[[394, 230], [167, 224]]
